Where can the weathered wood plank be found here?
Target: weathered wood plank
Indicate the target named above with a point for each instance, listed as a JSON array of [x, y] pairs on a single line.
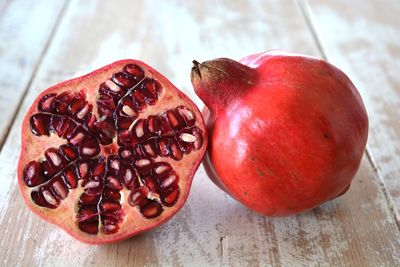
[[25, 28], [3, 5], [212, 229], [364, 41]]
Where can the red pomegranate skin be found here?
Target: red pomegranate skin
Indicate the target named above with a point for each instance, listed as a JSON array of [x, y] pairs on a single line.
[[287, 132]]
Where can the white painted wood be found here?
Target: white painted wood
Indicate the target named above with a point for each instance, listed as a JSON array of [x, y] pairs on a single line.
[[3, 5], [25, 28], [212, 229], [362, 38]]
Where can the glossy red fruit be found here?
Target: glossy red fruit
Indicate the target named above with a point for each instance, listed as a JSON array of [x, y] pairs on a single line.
[[287, 131], [110, 154]]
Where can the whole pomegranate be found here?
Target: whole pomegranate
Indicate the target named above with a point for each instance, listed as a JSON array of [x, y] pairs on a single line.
[[110, 154], [287, 131]]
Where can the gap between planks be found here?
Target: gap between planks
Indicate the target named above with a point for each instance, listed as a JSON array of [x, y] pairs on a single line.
[[35, 69], [306, 12], [4, 5]]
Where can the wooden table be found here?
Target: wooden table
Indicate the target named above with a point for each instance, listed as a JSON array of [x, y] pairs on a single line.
[[44, 42]]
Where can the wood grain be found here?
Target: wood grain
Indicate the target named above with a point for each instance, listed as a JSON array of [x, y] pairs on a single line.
[[25, 30], [212, 229], [365, 43]]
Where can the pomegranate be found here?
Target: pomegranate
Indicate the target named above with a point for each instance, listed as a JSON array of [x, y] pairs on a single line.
[[110, 154], [287, 131]]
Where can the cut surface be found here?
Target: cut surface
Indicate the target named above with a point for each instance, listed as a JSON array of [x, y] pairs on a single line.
[[110, 154]]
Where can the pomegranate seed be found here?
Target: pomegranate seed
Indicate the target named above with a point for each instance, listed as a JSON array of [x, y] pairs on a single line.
[[60, 188], [188, 138], [175, 120], [162, 167], [144, 165], [152, 125], [65, 128], [38, 199], [48, 171], [165, 127], [129, 177], [170, 198], [163, 147], [150, 184], [48, 196], [123, 80], [113, 217], [199, 140], [128, 111], [70, 178], [135, 72], [92, 184], [135, 197], [125, 153], [89, 227], [113, 182], [87, 213], [124, 123], [113, 87], [138, 151], [46, 103], [138, 105], [127, 138], [172, 179], [76, 105], [187, 115], [33, 174], [149, 148], [77, 136], [106, 105], [53, 157], [61, 102], [139, 97], [59, 124], [40, 124], [86, 199], [151, 88], [139, 128], [69, 152], [99, 168], [91, 121], [110, 228], [115, 164], [112, 194], [176, 152], [83, 170], [151, 210], [84, 112], [108, 205], [106, 131], [105, 92]]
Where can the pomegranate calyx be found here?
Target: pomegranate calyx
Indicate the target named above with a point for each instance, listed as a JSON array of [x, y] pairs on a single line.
[[225, 72]]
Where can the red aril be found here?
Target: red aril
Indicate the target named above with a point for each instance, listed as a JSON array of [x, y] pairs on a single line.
[[110, 154], [287, 132]]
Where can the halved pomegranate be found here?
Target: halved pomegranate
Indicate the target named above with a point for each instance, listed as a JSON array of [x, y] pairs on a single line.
[[110, 154]]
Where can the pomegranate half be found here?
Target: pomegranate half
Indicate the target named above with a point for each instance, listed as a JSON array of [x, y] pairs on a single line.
[[110, 154], [287, 131]]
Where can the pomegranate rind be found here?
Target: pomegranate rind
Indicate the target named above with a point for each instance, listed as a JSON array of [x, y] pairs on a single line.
[[193, 160]]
